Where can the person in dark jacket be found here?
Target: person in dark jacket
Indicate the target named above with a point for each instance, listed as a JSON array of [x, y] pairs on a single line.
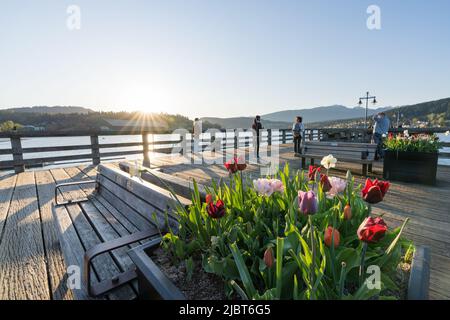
[[257, 126], [297, 131]]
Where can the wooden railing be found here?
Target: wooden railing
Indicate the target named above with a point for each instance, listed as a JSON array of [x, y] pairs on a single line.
[[94, 148], [228, 139]]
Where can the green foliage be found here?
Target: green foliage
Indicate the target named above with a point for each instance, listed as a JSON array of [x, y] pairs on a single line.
[[9, 126], [233, 247]]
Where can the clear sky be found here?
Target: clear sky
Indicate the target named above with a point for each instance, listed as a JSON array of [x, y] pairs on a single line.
[[222, 58]]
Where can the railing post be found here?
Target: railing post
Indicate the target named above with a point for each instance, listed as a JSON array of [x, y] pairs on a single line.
[[283, 136], [145, 150], [236, 139], [95, 150], [16, 146], [269, 137]]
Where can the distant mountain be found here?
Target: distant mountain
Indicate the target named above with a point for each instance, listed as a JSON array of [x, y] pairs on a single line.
[[245, 123], [326, 113], [51, 110], [284, 119], [430, 113]]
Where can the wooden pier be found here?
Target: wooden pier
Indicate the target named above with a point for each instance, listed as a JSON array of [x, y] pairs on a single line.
[[31, 260]]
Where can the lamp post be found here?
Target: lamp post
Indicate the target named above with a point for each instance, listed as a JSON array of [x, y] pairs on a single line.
[[367, 98]]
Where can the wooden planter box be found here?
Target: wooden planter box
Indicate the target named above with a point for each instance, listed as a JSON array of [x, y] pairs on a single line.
[[418, 167], [154, 284]]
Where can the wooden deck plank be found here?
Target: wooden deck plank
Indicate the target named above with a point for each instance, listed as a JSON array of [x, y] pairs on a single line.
[[55, 261], [7, 185], [73, 249], [23, 272]]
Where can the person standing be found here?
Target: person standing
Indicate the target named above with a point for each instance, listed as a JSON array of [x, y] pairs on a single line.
[[298, 131], [257, 126], [196, 133], [380, 130]]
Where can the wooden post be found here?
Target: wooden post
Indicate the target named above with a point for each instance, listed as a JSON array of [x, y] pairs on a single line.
[[16, 146], [95, 150], [145, 150]]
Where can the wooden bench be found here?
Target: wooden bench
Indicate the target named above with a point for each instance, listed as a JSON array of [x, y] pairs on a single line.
[[100, 220], [176, 184], [363, 153]]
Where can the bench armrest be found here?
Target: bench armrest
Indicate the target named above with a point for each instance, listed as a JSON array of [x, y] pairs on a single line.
[[67, 184], [95, 290]]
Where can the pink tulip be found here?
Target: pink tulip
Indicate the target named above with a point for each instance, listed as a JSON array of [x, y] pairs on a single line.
[[338, 185], [266, 187], [307, 202]]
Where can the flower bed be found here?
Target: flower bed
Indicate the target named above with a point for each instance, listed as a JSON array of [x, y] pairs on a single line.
[[300, 236], [411, 158]]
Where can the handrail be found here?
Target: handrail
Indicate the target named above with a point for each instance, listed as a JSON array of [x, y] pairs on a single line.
[[94, 150]]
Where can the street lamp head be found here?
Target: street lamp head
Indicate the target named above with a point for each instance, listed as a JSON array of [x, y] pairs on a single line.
[[374, 101], [360, 102]]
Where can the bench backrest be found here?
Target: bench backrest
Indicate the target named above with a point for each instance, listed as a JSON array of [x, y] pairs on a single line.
[[136, 198], [344, 150]]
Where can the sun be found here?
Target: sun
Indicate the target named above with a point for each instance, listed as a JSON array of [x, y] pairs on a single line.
[[146, 98]]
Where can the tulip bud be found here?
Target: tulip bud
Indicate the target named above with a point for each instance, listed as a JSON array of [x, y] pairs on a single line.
[[328, 236], [208, 198], [347, 212], [268, 257]]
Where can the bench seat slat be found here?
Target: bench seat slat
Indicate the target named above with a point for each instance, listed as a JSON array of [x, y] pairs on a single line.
[[349, 154], [342, 144], [128, 213]]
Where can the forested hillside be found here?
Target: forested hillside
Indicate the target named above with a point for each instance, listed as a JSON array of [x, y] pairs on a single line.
[[426, 114], [93, 120]]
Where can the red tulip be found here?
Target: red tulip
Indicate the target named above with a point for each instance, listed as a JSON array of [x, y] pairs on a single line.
[[374, 191], [312, 172], [372, 230], [209, 198], [240, 162], [347, 212], [268, 257], [235, 164], [231, 166], [325, 183], [328, 237], [217, 210]]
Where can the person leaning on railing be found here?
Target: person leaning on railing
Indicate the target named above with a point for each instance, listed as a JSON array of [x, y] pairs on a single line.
[[380, 130], [298, 131]]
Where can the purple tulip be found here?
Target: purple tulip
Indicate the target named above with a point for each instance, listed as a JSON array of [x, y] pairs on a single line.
[[307, 202]]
